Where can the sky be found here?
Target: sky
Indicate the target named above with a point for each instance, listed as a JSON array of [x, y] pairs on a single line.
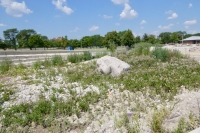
[[79, 18]]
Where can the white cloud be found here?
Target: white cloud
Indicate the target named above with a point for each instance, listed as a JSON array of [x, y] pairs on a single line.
[[93, 28], [187, 27], [169, 12], [174, 15], [14, 8], [120, 1], [190, 5], [192, 31], [165, 27], [75, 30], [2, 25], [127, 13], [60, 5], [143, 22], [117, 24], [106, 16], [155, 32], [190, 22]]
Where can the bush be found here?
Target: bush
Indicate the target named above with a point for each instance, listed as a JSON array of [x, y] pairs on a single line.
[[5, 66], [57, 60], [157, 120], [142, 49], [165, 54], [100, 54], [112, 47], [37, 65], [46, 63], [87, 55], [75, 58]]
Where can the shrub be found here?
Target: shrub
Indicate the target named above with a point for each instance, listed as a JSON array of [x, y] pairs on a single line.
[[112, 47], [157, 120], [37, 65], [74, 58], [46, 63], [5, 66], [87, 55], [165, 54], [142, 49], [100, 54], [57, 60]]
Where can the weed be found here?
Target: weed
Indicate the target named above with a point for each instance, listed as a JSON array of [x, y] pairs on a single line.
[[57, 60], [157, 120], [5, 66], [112, 47], [87, 55], [100, 54], [142, 49], [76, 58], [165, 54], [36, 65], [130, 123]]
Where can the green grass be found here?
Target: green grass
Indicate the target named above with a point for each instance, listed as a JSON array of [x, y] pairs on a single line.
[[165, 54], [57, 60], [5, 66], [76, 58], [157, 120], [142, 49]]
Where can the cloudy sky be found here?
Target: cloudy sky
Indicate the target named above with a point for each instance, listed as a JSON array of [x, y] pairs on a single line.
[[78, 18]]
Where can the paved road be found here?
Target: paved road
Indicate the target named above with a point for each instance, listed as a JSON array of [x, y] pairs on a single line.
[[28, 56]]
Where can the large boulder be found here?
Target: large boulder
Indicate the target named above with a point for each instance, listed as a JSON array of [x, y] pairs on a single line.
[[112, 65]]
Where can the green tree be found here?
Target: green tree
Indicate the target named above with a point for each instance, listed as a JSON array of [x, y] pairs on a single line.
[[3, 45], [54, 43], [128, 38], [137, 39], [74, 43], [174, 37], [23, 37], [35, 41], [145, 37], [181, 34], [10, 34], [152, 39], [97, 40], [46, 43], [64, 42], [165, 37], [121, 34], [85, 41], [111, 38]]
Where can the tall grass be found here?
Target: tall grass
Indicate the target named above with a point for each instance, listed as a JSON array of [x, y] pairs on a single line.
[[142, 49], [5, 66], [165, 54], [75, 58], [57, 60]]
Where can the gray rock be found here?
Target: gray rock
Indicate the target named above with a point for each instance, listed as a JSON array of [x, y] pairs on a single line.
[[112, 65]]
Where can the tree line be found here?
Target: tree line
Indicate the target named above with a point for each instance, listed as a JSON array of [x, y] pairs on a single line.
[[28, 38]]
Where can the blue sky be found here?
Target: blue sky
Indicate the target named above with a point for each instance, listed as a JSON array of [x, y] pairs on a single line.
[[78, 18]]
